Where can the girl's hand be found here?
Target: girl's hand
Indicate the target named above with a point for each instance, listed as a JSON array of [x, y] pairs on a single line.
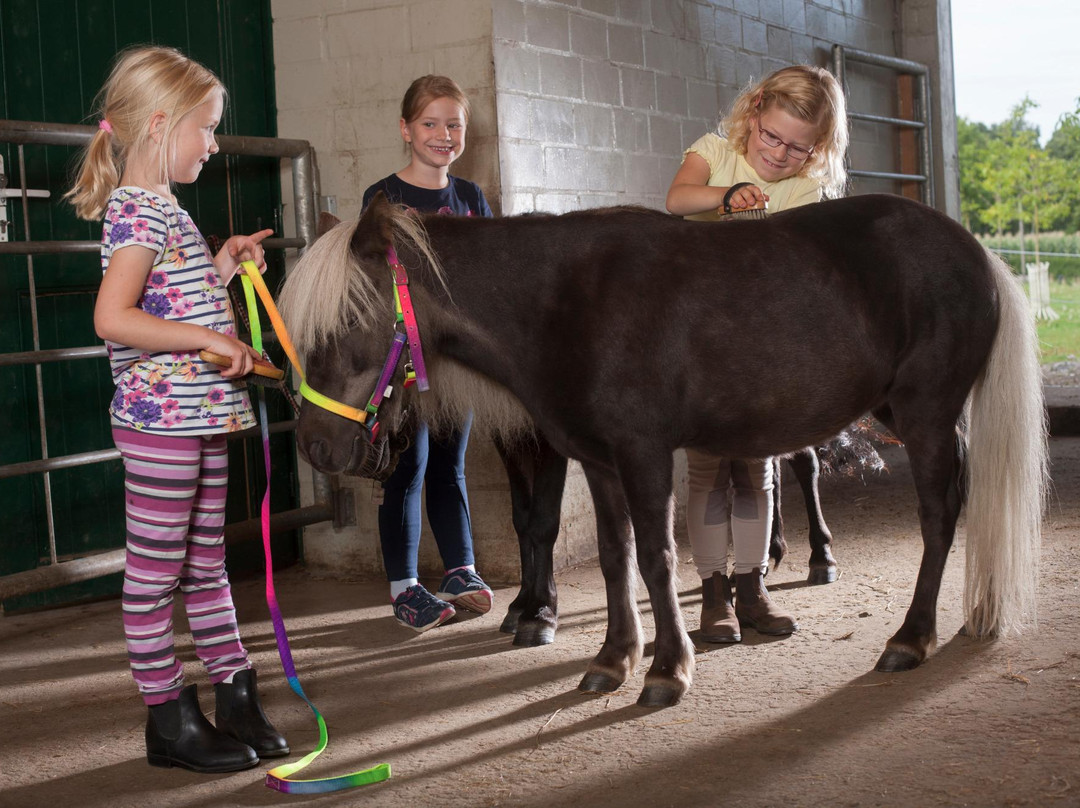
[[240, 248], [749, 196], [243, 356]]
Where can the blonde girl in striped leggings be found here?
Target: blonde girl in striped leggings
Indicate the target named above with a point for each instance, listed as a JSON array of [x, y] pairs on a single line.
[[162, 299]]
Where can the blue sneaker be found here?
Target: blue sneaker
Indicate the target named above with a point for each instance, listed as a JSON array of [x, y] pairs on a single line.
[[420, 610], [466, 589]]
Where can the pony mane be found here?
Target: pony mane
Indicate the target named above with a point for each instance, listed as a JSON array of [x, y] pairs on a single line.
[[329, 292]]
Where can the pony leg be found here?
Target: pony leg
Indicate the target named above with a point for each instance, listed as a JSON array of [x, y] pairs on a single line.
[[807, 468], [936, 468], [623, 645], [777, 544], [647, 486], [517, 465], [537, 475], [540, 615]]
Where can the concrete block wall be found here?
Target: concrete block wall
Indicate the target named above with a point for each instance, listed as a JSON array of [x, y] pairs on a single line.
[[597, 99], [342, 67], [576, 103]]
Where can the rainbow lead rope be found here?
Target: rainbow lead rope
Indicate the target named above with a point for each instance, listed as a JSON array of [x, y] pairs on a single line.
[[278, 778]]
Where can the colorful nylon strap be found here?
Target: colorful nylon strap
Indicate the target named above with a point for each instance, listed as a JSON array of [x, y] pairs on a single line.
[[252, 275], [279, 778], [406, 315]]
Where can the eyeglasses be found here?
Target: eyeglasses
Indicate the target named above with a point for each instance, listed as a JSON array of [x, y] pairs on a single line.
[[772, 141]]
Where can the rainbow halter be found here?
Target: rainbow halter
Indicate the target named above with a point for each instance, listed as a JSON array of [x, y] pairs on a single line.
[[415, 369], [279, 778]]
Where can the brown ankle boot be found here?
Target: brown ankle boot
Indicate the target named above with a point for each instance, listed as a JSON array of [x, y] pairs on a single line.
[[755, 610], [718, 621]]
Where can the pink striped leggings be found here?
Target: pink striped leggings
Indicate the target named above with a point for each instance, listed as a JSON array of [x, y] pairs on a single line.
[[175, 489]]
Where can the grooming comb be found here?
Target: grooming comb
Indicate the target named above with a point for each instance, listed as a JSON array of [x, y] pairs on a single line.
[[263, 373], [759, 211]]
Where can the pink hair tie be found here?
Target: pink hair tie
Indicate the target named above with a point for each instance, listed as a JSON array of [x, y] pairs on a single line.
[[104, 124]]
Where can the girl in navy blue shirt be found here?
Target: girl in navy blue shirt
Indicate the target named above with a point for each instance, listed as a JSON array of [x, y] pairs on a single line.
[[434, 115]]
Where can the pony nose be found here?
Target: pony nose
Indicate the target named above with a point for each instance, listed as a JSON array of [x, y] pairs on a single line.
[[318, 452]]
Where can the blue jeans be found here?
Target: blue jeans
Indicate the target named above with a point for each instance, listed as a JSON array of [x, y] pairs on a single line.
[[440, 462]]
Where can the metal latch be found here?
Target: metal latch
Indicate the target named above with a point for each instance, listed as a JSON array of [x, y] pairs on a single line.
[[12, 193]]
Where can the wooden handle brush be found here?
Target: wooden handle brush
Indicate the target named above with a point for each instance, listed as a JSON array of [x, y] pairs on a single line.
[[728, 214], [758, 211], [261, 370]]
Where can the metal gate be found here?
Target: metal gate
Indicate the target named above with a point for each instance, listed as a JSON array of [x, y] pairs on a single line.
[[58, 571], [915, 168]]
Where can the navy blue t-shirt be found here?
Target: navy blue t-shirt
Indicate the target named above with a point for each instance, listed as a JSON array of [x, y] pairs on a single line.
[[459, 197]]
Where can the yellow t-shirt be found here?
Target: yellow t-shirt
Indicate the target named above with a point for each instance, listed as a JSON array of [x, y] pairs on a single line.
[[727, 167]]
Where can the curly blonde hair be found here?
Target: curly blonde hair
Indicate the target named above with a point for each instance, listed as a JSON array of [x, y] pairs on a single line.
[[810, 94], [143, 82]]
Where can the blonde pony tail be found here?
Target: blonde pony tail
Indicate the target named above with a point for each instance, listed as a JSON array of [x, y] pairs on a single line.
[[99, 175]]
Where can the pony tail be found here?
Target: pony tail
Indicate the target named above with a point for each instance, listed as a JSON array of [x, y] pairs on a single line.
[[1007, 472], [99, 175]]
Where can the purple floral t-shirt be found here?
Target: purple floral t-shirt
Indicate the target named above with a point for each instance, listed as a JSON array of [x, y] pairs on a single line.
[[171, 393]]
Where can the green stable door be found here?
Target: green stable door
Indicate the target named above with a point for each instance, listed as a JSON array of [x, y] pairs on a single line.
[[54, 57]]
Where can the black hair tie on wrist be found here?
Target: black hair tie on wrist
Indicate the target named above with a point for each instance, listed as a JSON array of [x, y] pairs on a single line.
[[727, 196]]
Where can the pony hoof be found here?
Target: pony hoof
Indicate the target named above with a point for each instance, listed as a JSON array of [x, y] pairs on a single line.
[[898, 659], [823, 575], [510, 622], [659, 696], [531, 635], [599, 683]]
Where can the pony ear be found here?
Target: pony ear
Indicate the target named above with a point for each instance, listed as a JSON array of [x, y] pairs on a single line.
[[374, 231], [326, 223]]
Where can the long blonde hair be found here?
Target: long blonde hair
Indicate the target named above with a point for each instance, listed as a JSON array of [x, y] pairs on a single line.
[[810, 94], [144, 81]]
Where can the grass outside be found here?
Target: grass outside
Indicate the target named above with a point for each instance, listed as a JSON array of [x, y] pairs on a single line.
[[1060, 339]]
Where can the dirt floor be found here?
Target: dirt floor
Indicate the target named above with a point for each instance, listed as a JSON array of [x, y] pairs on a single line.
[[466, 719]]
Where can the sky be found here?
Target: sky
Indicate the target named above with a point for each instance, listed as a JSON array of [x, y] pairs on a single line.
[[1006, 49]]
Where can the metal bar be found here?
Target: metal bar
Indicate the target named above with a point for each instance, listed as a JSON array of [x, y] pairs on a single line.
[[103, 455], [55, 463], [903, 123], [66, 354], [60, 134], [48, 247], [111, 562], [57, 247], [305, 176], [900, 65], [1041, 253], [926, 155], [52, 355], [888, 175], [39, 381]]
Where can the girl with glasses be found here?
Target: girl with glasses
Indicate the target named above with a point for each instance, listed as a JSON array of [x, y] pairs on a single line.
[[783, 144]]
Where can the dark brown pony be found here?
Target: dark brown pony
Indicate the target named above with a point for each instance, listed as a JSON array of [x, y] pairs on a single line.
[[633, 333]]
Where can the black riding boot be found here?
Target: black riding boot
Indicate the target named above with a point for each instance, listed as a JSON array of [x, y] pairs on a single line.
[[178, 734], [240, 716]]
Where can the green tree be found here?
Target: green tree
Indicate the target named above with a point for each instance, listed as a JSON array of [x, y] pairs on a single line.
[[1064, 146], [1003, 167], [973, 141], [1027, 183]]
